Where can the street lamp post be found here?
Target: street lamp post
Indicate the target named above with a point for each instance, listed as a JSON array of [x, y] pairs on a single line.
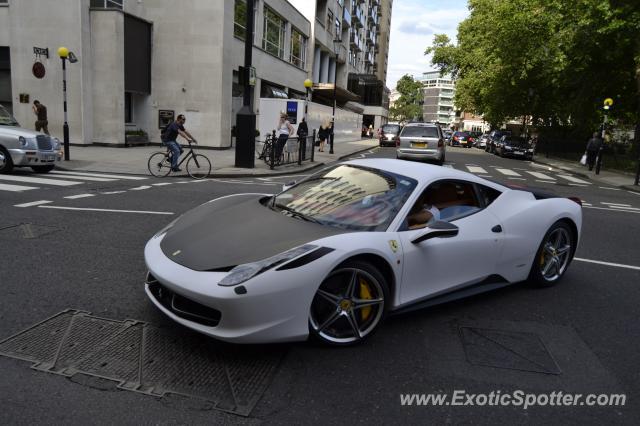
[[307, 85], [246, 118], [63, 52], [336, 46]]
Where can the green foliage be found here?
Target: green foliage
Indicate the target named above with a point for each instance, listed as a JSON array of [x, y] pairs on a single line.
[[553, 60], [408, 106]]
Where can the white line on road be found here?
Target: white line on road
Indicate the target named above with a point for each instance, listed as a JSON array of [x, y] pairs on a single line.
[[541, 176], [87, 178], [73, 197], [515, 178], [544, 181], [476, 169], [586, 204], [42, 181], [625, 208], [621, 209], [140, 188], [633, 192], [162, 184], [617, 265], [508, 172], [104, 210], [33, 203], [574, 179], [612, 189], [615, 204], [448, 166], [485, 176], [64, 172], [577, 184], [113, 192], [15, 188]]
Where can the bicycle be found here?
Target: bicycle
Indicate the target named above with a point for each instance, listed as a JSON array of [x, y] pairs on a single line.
[[265, 153], [198, 166]]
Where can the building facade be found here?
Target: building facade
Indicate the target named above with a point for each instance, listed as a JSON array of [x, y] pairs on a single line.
[[143, 62], [438, 93]]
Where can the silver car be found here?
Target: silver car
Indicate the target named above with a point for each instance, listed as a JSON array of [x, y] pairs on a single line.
[[21, 147], [422, 141]]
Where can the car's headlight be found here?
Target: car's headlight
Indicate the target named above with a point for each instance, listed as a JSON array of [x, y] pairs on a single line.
[[56, 144], [28, 143], [242, 273], [507, 147]]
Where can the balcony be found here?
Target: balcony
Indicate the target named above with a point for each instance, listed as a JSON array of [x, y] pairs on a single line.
[[346, 18], [341, 54], [368, 58], [355, 41], [357, 17]]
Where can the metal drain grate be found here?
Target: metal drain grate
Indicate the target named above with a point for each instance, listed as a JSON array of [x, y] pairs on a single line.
[[507, 349], [139, 357]]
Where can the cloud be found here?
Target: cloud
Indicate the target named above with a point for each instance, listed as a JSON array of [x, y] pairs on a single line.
[[413, 24]]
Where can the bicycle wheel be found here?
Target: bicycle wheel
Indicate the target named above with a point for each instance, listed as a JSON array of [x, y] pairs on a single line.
[[159, 164], [198, 166]]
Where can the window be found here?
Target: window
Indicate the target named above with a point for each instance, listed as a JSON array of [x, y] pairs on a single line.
[[274, 31], [105, 4], [487, 195], [329, 26], [298, 48], [240, 19], [420, 131]]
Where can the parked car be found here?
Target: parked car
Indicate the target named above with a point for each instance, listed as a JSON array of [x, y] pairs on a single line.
[[390, 134], [481, 142], [494, 137], [474, 136], [20, 147], [328, 259], [421, 141], [461, 139], [514, 146]]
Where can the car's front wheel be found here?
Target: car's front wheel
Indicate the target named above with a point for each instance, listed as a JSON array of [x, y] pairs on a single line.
[[6, 164], [553, 255], [349, 304]]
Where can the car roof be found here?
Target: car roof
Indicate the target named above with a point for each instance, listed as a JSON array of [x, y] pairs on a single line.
[[421, 124], [419, 171]]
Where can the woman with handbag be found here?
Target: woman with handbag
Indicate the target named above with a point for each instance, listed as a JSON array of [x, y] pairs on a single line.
[[323, 134]]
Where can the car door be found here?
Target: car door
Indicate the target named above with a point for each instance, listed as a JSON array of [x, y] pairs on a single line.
[[440, 265]]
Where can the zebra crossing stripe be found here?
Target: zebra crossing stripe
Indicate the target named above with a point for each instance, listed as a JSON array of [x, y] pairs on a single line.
[[74, 197], [33, 203], [476, 169], [541, 176], [508, 172], [87, 178], [15, 188], [102, 175], [43, 181], [574, 179]]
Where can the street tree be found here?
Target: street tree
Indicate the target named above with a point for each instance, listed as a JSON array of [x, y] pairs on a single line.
[[408, 105]]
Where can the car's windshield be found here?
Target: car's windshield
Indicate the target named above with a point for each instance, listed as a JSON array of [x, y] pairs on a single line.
[[391, 128], [7, 119], [420, 132], [347, 196]]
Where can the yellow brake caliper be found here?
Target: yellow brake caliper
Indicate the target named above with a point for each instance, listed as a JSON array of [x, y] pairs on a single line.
[[365, 293]]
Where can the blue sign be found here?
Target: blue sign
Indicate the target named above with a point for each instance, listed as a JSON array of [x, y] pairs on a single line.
[[292, 111]]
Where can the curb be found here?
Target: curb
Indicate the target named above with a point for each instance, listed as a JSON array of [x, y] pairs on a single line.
[[632, 188]]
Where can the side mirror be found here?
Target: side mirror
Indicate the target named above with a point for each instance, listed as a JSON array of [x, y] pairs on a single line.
[[288, 185], [438, 229]]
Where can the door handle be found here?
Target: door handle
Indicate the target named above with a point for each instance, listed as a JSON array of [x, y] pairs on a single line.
[[496, 229]]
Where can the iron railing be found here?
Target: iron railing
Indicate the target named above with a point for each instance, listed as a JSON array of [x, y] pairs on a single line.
[[294, 150]]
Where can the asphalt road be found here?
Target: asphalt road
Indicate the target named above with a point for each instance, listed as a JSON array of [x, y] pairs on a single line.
[[86, 253]]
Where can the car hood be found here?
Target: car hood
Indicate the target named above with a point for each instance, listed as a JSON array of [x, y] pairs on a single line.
[[234, 230], [18, 131]]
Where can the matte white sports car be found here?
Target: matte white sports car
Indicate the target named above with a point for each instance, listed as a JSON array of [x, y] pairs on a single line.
[[335, 253]]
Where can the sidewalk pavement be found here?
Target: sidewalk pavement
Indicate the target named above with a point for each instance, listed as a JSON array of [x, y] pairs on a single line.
[[606, 177], [133, 160]]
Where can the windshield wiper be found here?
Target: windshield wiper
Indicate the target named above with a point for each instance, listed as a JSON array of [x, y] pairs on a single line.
[[296, 213]]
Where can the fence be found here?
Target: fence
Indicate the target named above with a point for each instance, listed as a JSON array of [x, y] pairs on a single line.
[[294, 151]]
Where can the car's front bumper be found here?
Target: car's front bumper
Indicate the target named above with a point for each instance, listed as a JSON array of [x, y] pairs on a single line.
[[275, 307], [34, 157]]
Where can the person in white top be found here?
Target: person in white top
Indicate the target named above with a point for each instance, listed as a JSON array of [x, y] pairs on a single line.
[[283, 131]]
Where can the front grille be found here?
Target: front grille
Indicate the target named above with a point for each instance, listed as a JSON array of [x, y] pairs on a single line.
[[44, 143], [181, 306]]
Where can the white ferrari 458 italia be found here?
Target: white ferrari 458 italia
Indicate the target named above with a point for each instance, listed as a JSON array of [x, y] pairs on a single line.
[[335, 253]]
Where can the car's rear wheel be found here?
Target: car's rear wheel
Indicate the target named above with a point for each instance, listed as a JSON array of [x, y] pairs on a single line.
[[43, 169], [553, 255], [6, 164], [349, 304]]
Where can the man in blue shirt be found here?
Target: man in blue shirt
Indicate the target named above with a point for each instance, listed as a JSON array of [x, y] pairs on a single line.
[[170, 139]]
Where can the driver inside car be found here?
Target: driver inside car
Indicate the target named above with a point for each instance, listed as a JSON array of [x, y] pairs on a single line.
[[423, 212]]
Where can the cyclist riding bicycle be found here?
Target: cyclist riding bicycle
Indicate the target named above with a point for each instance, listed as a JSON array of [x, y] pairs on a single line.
[[170, 140]]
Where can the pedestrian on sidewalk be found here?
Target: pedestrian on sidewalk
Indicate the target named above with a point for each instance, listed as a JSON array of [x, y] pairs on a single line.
[[593, 148], [170, 139], [42, 121], [323, 134], [303, 130], [370, 131], [284, 130]]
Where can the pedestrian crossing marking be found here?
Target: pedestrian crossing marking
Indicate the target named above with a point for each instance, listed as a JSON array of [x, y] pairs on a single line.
[[140, 188], [77, 177], [508, 172], [574, 179], [541, 176], [15, 188], [75, 197], [126, 177], [43, 181], [33, 203], [476, 169]]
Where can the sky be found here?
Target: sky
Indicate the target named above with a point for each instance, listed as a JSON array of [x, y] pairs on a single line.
[[413, 24]]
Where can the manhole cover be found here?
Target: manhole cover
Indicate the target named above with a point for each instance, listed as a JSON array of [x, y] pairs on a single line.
[[140, 357], [507, 349]]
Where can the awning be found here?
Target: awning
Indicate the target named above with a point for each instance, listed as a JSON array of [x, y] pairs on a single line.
[[323, 92]]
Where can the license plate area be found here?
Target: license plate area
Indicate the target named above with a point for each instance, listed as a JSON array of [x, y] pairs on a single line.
[[418, 144]]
